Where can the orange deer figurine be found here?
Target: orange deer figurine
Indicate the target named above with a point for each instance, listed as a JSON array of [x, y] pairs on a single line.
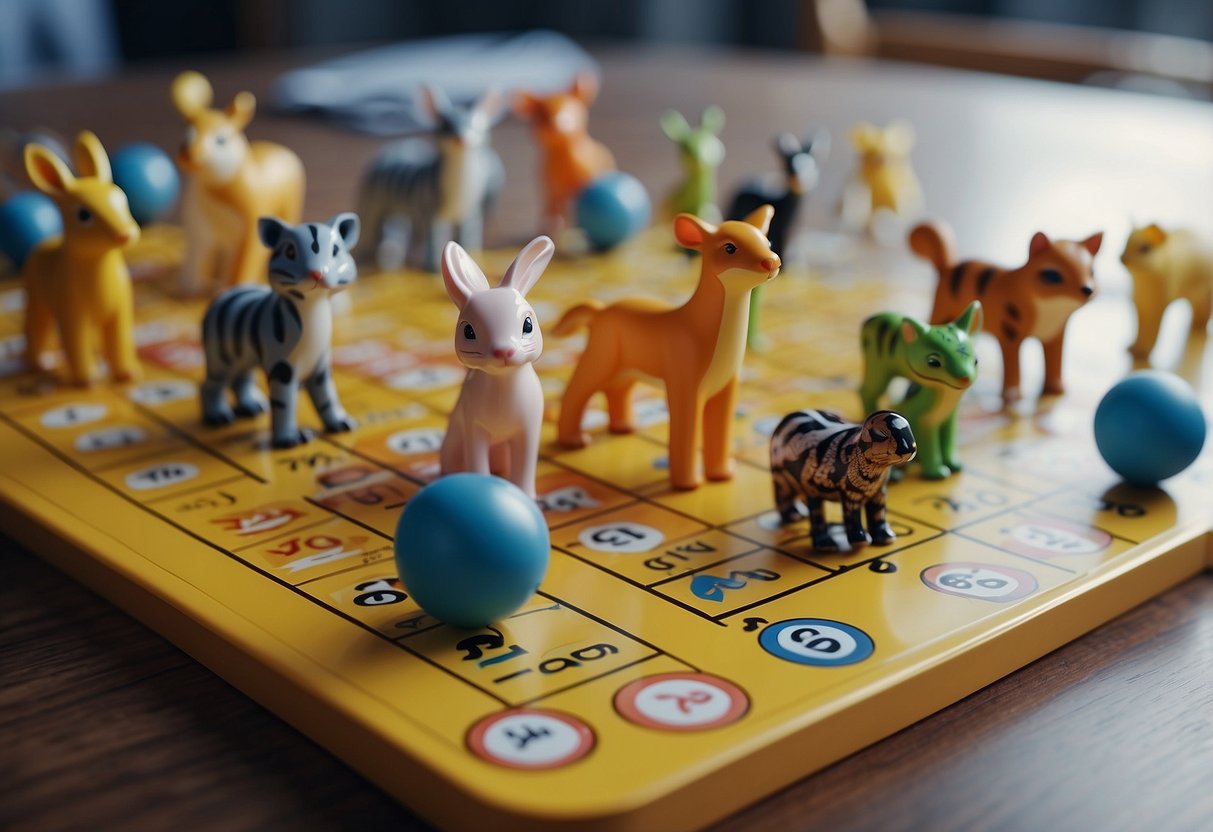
[[79, 282], [571, 158], [230, 183], [696, 348]]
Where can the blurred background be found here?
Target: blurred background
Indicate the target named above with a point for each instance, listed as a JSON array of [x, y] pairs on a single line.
[[1163, 46]]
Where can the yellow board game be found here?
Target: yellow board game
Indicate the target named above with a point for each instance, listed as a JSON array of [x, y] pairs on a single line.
[[686, 654]]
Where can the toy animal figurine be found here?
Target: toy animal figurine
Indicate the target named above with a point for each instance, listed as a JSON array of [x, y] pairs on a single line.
[[571, 158], [230, 183], [817, 455], [496, 421], [285, 328], [701, 152], [696, 348], [940, 363], [884, 180], [1034, 300], [801, 161], [420, 194], [78, 282], [1166, 266]]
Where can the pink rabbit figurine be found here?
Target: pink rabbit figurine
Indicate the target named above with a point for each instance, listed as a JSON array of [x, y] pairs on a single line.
[[500, 408]]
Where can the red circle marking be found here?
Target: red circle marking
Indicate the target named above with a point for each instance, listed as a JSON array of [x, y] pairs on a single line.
[[477, 736], [626, 698]]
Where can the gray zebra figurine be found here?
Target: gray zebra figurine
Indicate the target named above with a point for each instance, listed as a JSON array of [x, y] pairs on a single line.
[[817, 455], [418, 194], [285, 328]]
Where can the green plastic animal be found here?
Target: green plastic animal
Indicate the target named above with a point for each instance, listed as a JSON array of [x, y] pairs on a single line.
[[940, 363], [701, 151]]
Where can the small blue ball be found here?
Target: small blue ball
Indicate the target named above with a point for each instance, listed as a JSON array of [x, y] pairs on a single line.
[[612, 208], [149, 179], [26, 219], [1149, 426], [471, 548]]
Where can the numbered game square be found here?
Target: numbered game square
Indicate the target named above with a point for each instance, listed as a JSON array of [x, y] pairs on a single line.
[[170, 472], [741, 582], [318, 550], [623, 540], [373, 595]]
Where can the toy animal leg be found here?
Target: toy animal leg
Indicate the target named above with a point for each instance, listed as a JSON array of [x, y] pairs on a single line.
[[250, 401], [852, 521], [619, 406], [592, 373], [1202, 310], [524, 456], [1010, 370], [451, 458], [1150, 306], [470, 233], [947, 444], [878, 519], [930, 456], [78, 350], [1053, 382], [875, 382], [284, 403], [324, 396], [755, 340], [440, 231], [718, 433], [119, 342], [786, 492], [215, 409], [39, 324], [686, 431], [819, 530]]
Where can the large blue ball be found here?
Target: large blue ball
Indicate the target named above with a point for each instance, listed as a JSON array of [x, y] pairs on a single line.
[[26, 219], [471, 548], [612, 208], [149, 179], [1149, 426]]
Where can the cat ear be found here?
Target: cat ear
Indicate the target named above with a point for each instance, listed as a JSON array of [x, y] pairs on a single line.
[[348, 227], [91, 159], [971, 319], [818, 143], [674, 125], [460, 274], [690, 231], [1039, 243], [1093, 243], [241, 110], [529, 265], [432, 102], [47, 171], [489, 105], [712, 120], [270, 230], [912, 330]]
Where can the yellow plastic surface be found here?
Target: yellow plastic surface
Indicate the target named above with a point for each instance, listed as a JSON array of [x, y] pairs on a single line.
[[657, 679]]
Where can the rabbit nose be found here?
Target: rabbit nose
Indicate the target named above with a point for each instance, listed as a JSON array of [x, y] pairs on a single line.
[[505, 353]]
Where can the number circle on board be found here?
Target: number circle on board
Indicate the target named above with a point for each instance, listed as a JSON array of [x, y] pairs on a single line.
[[163, 392], [984, 581], [530, 738], [70, 415], [819, 642], [681, 702], [415, 441], [623, 536]]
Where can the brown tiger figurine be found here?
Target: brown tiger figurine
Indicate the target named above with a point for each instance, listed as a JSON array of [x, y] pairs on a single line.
[[1034, 300], [817, 455]]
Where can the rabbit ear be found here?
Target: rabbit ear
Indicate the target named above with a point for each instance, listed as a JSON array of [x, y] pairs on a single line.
[[47, 171], [91, 159], [529, 265], [460, 274]]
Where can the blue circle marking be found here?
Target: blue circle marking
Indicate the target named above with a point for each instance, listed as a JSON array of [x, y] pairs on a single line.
[[818, 642]]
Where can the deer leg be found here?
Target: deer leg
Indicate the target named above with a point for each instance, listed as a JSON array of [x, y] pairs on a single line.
[[1053, 382], [718, 433], [686, 432], [619, 406]]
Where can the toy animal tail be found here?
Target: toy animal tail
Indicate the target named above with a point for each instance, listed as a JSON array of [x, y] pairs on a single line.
[[577, 318], [935, 242]]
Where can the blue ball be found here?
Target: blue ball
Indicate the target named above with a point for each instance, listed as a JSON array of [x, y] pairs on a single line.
[[1149, 426], [149, 178], [26, 219], [471, 548], [612, 208]]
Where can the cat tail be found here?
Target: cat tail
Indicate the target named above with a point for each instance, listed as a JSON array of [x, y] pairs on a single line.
[[935, 242], [576, 318]]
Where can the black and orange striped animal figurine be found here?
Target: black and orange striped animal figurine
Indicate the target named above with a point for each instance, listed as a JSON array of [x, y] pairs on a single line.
[[817, 455], [1034, 300]]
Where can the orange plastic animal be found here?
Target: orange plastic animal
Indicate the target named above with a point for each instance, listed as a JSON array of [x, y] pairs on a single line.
[[696, 348], [230, 183], [571, 158], [1034, 300], [78, 282]]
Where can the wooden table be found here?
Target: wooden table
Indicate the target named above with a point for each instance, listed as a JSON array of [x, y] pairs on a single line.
[[103, 724]]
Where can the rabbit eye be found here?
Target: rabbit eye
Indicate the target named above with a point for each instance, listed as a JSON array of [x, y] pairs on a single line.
[[84, 215], [468, 332], [527, 326], [729, 248], [335, 249], [289, 252]]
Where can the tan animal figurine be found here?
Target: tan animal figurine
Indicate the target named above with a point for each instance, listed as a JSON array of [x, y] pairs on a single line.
[[78, 283], [695, 349], [571, 158], [1034, 300], [230, 183], [884, 181], [1167, 266]]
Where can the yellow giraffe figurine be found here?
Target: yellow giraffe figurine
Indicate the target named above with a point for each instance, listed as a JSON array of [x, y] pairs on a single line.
[[230, 183], [79, 282]]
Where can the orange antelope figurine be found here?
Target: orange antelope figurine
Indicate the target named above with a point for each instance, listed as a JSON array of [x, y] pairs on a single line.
[[571, 158], [79, 282], [230, 183], [696, 349]]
